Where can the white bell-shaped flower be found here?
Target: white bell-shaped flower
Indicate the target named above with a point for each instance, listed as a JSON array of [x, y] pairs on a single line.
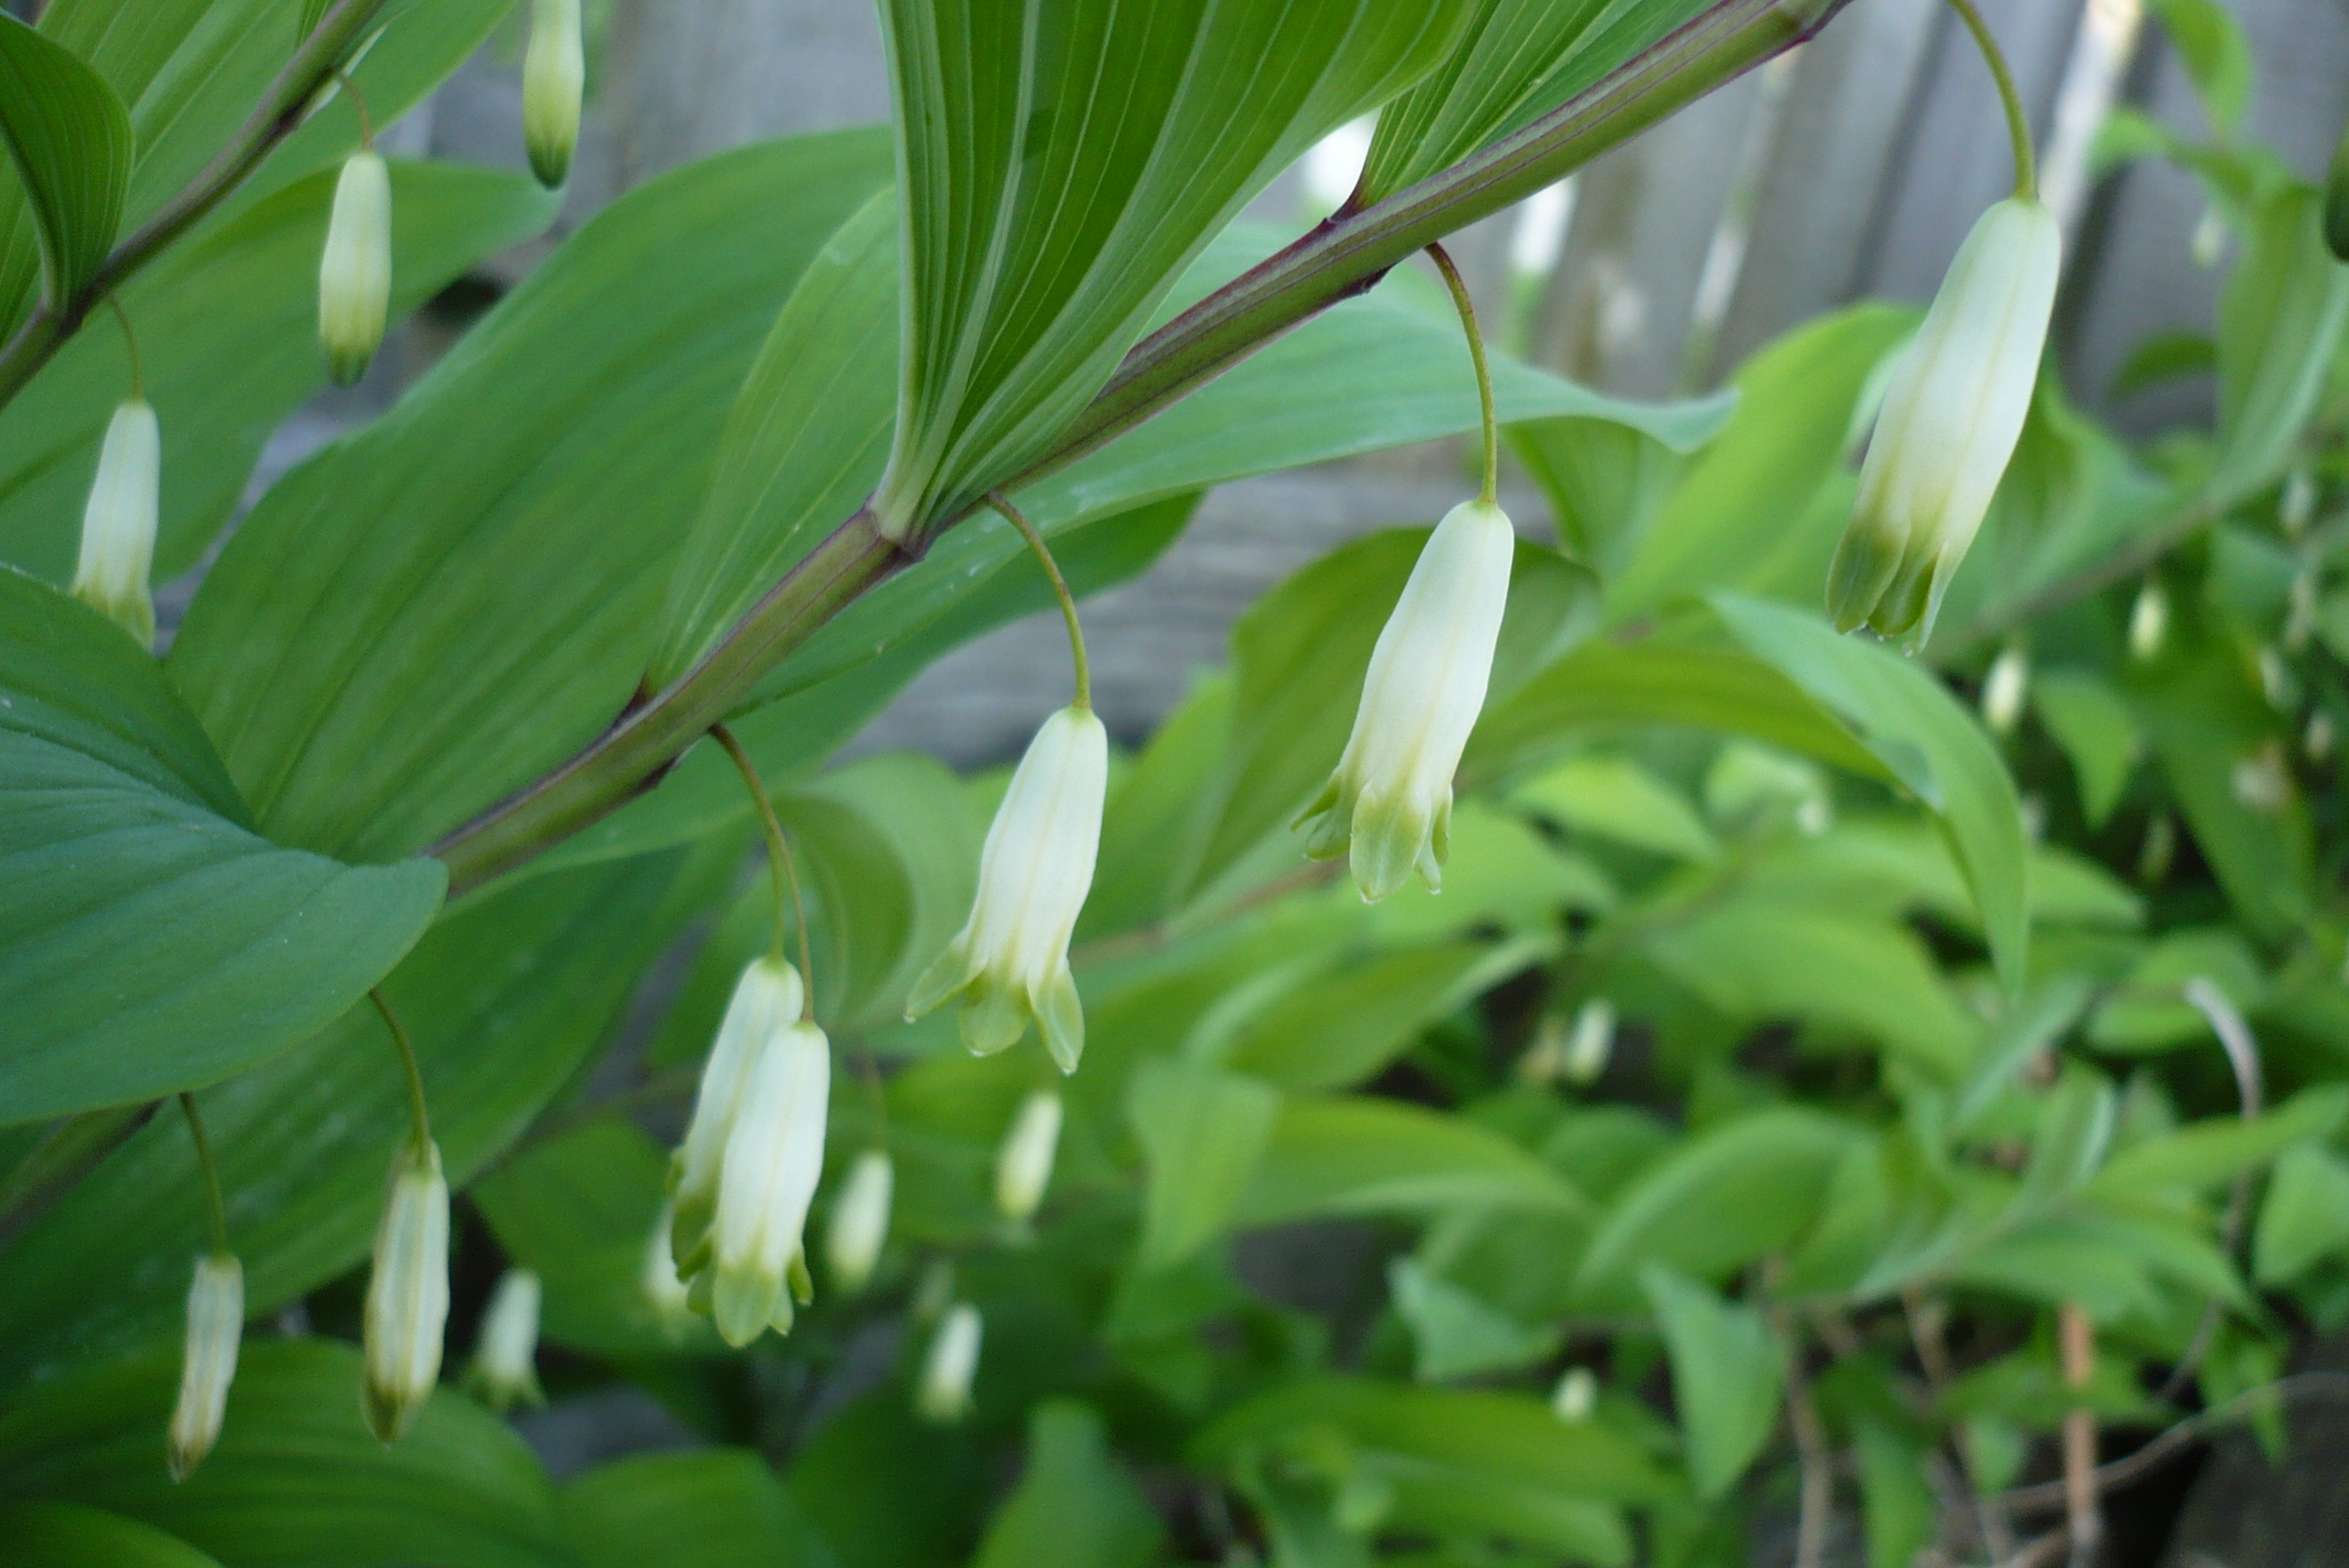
[[1023, 1165], [554, 79], [215, 1326], [775, 1157], [2148, 625], [354, 269], [1010, 964], [2004, 688], [1951, 416], [118, 524], [1576, 1396], [767, 1001], [407, 1293], [860, 1222], [1390, 797], [951, 1366], [1590, 1043], [505, 1370]]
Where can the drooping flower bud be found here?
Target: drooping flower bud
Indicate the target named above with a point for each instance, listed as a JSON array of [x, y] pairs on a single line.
[[663, 1290], [117, 525], [860, 1222], [354, 269], [407, 1293], [1952, 417], [767, 1000], [2004, 688], [1023, 1165], [933, 1292], [504, 1370], [775, 1157], [1591, 1042], [950, 1367], [1390, 800], [1576, 1394], [216, 1325], [1010, 964], [553, 78], [2148, 627]]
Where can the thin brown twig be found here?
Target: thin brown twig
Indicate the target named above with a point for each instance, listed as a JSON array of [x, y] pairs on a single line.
[[2084, 1521], [2044, 1496]]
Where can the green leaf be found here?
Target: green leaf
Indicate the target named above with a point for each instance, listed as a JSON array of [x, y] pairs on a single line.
[[1075, 1506], [154, 942], [2076, 1128], [69, 1535], [1604, 483], [2093, 725], [227, 326], [1743, 513], [441, 608], [2280, 320], [503, 999], [1203, 1131], [2216, 54], [2304, 1218], [2207, 1154], [1341, 1026], [1727, 1374], [297, 1479], [1898, 1510], [888, 1490], [2112, 1264], [1455, 1331], [1517, 60], [713, 1508], [2148, 1012], [1922, 737], [1613, 796], [69, 136], [1041, 231], [1723, 1198], [1348, 1155]]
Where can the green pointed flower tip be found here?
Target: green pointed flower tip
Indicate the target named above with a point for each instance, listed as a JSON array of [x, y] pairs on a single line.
[[1010, 963], [215, 1327], [554, 80], [119, 521], [1953, 411], [355, 269], [504, 1371], [407, 1293], [774, 1158], [1388, 806]]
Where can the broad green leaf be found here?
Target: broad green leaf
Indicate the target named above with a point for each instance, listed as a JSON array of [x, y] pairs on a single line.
[[2207, 1154], [68, 136], [1341, 1026], [1613, 796], [1152, 811], [1897, 864], [1727, 1374], [1744, 507], [430, 614], [1061, 166], [2149, 1012], [228, 330], [1727, 1196], [1925, 739], [1362, 1156], [1075, 1506], [1518, 61], [1203, 1131], [1457, 1333], [888, 1490], [579, 1210], [1505, 874], [2279, 325], [70, 1536], [2044, 1015], [2304, 1218], [1604, 483], [2112, 1264], [1900, 1512], [2216, 54], [154, 942], [712, 1508], [504, 999], [297, 1481], [2076, 1128], [2093, 725]]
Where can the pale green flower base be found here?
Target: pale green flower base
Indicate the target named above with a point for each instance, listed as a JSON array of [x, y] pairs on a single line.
[[1384, 840], [134, 611], [997, 1009], [746, 1302]]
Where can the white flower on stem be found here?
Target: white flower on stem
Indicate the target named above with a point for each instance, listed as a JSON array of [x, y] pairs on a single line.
[[505, 1370], [951, 1366], [2004, 688], [118, 524], [860, 1222], [1010, 964], [2148, 625], [553, 78], [355, 269], [1576, 1396], [1591, 1042], [407, 1293], [1950, 419], [216, 1325], [767, 1001], [664, 1291], [1023, 1165], [1390, 800], [775, 1157]]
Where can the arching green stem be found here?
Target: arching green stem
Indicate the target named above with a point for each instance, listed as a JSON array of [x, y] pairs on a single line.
[[780, 864], [1452, 280], [211, 1173], [419, 1116], [131, 344], [1061, 587], [2018, 124]]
